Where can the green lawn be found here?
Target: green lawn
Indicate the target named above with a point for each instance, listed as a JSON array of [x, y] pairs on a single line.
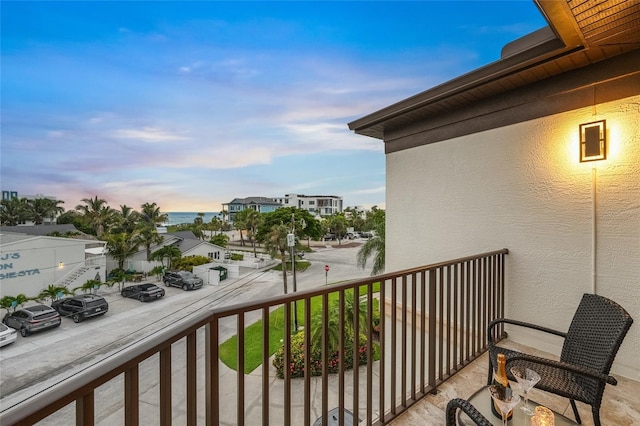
[[253, 334]]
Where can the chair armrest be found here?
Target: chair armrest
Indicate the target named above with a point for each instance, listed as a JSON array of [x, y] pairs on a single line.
[[468, 408], [497, 321], [577, 369]]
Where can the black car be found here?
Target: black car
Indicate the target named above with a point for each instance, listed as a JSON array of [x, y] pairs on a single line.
[[81, 307], [143, 292], [183, 279], [32, 319]]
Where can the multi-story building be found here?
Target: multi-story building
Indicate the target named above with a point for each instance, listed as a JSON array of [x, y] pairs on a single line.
[[322, 205], [8, 195], [259, 204]]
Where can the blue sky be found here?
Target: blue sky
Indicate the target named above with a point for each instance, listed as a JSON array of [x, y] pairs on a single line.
[[192, 104]]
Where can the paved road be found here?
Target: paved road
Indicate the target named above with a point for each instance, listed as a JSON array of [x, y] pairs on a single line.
[[42, 360]]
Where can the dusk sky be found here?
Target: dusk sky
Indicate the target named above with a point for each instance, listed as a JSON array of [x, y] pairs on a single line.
[[192, 104]]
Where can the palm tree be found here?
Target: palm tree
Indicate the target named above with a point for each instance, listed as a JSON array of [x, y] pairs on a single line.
[[88, 286], [338, 225], [11, 302], [121, 246], [150, 213], [52, 292], [333, 324], [276, 243], [252, 221], [374, 246], [97, 214], [147, 234], [215, 225], [44, 208], [240, 223], [14, 211], [166, 252], [127, 219]]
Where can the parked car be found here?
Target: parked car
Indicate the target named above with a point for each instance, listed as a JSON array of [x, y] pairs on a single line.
[[8, 335], [33, 318], [81, 307], [183, 279], [143, 292]]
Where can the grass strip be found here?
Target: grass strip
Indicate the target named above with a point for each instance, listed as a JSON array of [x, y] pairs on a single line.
[[253, 333]]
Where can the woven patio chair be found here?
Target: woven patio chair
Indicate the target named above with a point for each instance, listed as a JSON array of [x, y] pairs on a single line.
[[468, 408], [590, 345]]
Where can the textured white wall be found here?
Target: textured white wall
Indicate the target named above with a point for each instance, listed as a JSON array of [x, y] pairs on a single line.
[[37, 264], [522, 187]]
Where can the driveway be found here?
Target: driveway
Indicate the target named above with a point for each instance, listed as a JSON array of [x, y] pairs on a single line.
[[39, 361]]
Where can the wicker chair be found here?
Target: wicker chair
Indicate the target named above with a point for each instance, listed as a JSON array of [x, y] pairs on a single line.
[[469, 409], [590, 346]]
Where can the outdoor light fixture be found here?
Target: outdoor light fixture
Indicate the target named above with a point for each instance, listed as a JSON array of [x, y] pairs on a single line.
[[593, 141], [60, 265]]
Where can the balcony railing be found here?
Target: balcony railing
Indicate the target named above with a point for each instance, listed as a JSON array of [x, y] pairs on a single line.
[[433, 322]]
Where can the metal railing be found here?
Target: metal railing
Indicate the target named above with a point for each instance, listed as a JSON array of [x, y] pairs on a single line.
[[432, 322]]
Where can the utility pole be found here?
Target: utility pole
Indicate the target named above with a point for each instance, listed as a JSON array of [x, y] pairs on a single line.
[[291, 242]]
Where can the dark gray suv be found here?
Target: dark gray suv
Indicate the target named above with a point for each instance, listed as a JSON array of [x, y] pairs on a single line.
[[32, 319], [81, 307], [183, 279]]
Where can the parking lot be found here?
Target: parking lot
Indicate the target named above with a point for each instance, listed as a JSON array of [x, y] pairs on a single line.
[[43, 359]]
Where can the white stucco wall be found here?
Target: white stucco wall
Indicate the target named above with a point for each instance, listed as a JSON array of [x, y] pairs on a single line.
[[522, 187], [30, 265]]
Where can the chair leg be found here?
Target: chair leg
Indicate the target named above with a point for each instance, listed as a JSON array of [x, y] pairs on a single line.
[[596, 415], [575, 412]]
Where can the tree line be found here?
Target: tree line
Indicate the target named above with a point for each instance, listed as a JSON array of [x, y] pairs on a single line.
[[125, 229]]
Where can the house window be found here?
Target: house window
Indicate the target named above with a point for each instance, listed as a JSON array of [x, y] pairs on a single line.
[[216, 255], [210, 255]]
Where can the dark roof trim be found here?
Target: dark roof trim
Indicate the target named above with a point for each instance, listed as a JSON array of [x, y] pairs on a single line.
[[545, 51], [605, 81], [580, 34]]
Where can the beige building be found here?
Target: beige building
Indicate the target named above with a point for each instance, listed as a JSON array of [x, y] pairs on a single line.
[[492, 160]]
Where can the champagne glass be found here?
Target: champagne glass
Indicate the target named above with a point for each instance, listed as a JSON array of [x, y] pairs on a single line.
[[527, 378], [505, 399]]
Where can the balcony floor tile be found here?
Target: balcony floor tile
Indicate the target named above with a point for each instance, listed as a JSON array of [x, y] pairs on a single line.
[[620, 404]]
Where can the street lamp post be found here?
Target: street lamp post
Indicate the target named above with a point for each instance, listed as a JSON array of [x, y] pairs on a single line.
[[291, 242]]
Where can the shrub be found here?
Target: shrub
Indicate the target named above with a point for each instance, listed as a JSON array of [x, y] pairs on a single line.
[[297, 357]]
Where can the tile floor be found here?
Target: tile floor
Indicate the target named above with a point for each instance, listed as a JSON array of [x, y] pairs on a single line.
[[620, 404]]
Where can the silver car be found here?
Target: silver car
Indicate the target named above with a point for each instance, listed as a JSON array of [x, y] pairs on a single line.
[[33, 318]]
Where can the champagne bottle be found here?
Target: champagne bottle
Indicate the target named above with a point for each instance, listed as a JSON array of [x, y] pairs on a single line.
[[500, 379]]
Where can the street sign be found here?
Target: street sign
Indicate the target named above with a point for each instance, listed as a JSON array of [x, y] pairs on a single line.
[[326, 268], [291, 240]]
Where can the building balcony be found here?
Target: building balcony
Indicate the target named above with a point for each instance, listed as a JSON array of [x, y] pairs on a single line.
[[431, 347]]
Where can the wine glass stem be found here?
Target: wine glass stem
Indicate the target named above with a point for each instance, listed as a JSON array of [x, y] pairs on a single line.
[[526, 400]]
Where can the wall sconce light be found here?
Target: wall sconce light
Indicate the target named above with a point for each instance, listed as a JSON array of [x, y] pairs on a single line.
[[60, 265], [593, 141]]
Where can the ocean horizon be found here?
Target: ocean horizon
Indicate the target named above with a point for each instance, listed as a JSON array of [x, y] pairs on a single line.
[[177, 218]]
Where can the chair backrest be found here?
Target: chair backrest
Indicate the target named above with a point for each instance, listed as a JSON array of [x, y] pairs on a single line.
[[596, 333]]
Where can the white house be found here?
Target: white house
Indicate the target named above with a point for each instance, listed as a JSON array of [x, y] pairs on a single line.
[[30, 263], [492, 160], [321, 205], [186, 241]]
